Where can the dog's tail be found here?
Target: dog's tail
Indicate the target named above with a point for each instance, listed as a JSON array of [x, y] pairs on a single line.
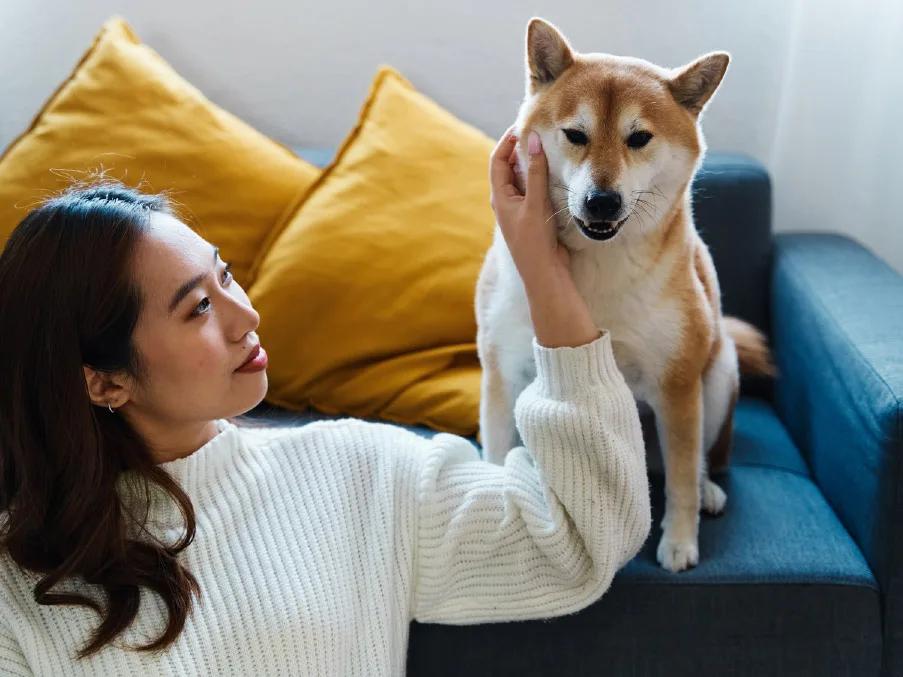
[[752, 347]]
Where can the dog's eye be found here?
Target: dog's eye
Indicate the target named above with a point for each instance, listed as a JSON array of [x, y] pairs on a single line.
[[576, 136], [638, 139]]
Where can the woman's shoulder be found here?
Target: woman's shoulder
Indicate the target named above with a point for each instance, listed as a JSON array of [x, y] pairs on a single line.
[[16, 582], [341, 436], [334, 455]]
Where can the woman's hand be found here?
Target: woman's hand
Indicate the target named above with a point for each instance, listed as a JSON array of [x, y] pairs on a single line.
[[523, 209], [559, 313]]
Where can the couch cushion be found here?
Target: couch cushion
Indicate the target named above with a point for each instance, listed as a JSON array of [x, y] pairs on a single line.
[[378, 264]]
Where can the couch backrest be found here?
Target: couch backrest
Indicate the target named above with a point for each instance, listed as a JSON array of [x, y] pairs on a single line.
[[732, 210]]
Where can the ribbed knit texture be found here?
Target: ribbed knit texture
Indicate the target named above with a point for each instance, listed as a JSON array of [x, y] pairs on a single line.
[[317, 545]]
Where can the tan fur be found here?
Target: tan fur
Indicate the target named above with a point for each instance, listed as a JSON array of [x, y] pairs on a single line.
[[752, 348], [652, 285], [720, 451]]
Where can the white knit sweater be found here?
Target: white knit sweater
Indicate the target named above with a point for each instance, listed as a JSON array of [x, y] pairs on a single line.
[[317, 545]]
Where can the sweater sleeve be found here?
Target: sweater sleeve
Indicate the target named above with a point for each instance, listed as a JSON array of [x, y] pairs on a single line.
[[544, 534], [12, 660]]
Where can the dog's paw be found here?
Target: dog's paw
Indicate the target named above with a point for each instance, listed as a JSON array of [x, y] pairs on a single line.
[[713, 497], [676, 555]]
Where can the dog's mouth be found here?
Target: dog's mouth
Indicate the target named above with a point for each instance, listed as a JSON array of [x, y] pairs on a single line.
[[600, 230]]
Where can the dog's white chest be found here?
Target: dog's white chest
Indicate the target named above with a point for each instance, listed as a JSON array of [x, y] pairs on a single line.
[[645, 327]]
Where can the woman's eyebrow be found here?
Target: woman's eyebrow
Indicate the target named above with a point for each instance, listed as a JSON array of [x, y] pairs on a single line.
[[186, 288]]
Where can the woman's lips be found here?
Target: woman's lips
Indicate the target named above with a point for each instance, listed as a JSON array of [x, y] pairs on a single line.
[[257, 360]]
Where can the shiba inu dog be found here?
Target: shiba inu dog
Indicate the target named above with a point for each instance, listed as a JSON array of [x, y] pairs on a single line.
[[622, 140]]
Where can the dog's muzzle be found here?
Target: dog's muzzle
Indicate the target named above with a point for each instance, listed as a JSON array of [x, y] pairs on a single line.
[[600, 230]]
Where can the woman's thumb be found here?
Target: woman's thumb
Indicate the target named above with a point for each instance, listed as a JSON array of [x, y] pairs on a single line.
[[537, 170]]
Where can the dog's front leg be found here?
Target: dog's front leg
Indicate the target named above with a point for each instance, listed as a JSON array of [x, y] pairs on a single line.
[[497, 426], [679, 421]]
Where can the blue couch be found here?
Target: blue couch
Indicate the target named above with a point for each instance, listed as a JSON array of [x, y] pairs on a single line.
[[803, 574]]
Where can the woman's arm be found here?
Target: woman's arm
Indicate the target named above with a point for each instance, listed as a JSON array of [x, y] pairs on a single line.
[[544, 534], [558, 312]]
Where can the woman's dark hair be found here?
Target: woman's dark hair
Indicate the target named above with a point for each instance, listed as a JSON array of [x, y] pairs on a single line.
[[67, 299]]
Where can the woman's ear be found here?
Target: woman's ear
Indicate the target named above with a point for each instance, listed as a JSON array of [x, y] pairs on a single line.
[[692, 85], [104, 388]]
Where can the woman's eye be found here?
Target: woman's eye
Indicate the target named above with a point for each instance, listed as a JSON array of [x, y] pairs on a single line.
[[227, 274], [576, 136], [197, 310], [638, 139]]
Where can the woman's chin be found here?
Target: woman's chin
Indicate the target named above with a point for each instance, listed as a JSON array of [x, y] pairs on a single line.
[[259, 392]]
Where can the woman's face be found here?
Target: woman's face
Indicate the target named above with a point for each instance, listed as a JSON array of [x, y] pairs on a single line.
[[192, 341]]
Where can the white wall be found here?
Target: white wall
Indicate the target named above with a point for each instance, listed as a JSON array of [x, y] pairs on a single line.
[[298, 70], [837, 153]]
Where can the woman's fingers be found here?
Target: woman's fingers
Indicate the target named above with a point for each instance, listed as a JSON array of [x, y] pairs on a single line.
[[518, 178], [502, 149], [537, 174], [500, 173]]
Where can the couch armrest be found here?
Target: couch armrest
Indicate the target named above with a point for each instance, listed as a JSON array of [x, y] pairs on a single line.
[[837, 332]]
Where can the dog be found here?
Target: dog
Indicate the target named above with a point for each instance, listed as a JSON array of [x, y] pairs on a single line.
[[623, 141]]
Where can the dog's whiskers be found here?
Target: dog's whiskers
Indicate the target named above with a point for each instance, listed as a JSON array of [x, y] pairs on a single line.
[[642, 207], [646, 208], [556, 213]]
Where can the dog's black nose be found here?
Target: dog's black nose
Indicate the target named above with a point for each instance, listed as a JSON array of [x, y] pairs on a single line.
[[603, 204]]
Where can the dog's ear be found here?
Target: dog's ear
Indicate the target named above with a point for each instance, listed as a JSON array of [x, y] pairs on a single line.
[[548, 54], [693, 85]]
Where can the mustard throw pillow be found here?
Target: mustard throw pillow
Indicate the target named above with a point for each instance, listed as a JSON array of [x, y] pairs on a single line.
[[125, 110], [366, 294]]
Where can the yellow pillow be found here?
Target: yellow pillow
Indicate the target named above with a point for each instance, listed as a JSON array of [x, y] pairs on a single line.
[[366, 294], [125, 110]]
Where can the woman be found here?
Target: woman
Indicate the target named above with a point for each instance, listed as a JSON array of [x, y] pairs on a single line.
[[129, 490]]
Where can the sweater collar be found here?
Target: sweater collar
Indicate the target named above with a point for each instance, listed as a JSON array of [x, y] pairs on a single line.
[[207, 461], [204, 466], [207, 465]]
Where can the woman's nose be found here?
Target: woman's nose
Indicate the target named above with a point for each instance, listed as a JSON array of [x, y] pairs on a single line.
[[247, 318], [253, 317]]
